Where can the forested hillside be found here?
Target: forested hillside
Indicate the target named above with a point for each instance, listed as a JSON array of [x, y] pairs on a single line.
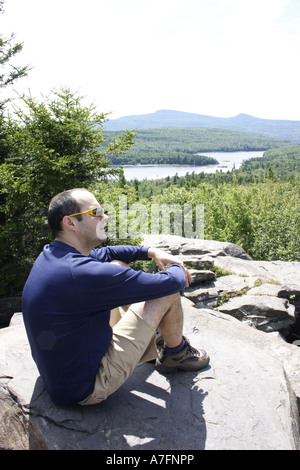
[[181, 145], [283, 163]]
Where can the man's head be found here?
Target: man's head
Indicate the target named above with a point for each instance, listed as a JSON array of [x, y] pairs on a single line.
[[62, 204], [82, 229]]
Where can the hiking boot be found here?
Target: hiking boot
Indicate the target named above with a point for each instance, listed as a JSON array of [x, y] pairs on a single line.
[[159, 342], [188, 359]]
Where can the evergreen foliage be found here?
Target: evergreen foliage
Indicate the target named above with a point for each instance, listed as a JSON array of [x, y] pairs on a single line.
[[262, 217], [50, 146]]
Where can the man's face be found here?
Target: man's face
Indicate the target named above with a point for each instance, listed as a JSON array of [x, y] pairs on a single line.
[[91, 230]]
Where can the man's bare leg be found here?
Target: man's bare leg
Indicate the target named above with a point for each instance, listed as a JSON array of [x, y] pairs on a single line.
[[164, 314]]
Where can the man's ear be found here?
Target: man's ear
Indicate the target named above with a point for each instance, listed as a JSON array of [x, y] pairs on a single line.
[[68, 223]]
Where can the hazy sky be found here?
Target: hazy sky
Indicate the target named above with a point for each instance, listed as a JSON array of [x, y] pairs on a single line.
[[214, 57]]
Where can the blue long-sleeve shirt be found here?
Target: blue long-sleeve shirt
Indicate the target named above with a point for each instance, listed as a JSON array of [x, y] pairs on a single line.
[[66, 309]]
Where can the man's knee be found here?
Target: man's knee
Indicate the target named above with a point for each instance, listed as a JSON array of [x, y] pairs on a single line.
[[153, 311], [163, 304]]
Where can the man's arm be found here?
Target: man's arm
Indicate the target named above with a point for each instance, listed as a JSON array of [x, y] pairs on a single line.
[[108, 285], [129, 253], [163, 259], [125, 253]]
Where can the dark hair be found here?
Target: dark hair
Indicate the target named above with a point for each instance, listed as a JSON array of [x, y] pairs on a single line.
[[60, 205]]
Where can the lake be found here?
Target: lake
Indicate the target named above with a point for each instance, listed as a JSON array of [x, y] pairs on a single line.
[[227, 161]]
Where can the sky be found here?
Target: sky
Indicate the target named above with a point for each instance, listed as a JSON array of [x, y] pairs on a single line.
[[213, 57]]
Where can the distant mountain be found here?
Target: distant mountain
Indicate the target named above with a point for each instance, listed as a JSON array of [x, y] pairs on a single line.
[[287, 130]]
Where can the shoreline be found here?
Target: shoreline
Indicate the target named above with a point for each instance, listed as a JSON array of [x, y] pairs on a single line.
[[141, 165], [223, 162]]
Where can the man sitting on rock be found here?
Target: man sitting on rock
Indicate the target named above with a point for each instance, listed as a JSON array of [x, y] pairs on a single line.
[[69, 296]]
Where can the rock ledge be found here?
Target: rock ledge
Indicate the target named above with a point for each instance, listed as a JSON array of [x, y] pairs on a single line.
[[245, 400]]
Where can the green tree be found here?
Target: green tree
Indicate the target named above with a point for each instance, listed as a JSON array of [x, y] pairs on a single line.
[[263, 218], [51, 146], [10, 72]]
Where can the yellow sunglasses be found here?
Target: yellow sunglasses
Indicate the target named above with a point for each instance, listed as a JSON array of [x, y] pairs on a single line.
[[97, 212]]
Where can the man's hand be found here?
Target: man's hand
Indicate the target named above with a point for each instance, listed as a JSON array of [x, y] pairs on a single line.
[[163, 259]]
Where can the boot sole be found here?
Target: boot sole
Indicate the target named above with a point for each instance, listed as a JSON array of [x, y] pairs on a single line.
[[181, 367]]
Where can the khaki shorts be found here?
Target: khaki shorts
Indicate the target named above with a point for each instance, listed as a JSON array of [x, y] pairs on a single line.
[[133, 342]]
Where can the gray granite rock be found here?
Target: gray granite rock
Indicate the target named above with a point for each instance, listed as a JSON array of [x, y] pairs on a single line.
[[243, 400], [264, 312], [248, 397], [264, 294]]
